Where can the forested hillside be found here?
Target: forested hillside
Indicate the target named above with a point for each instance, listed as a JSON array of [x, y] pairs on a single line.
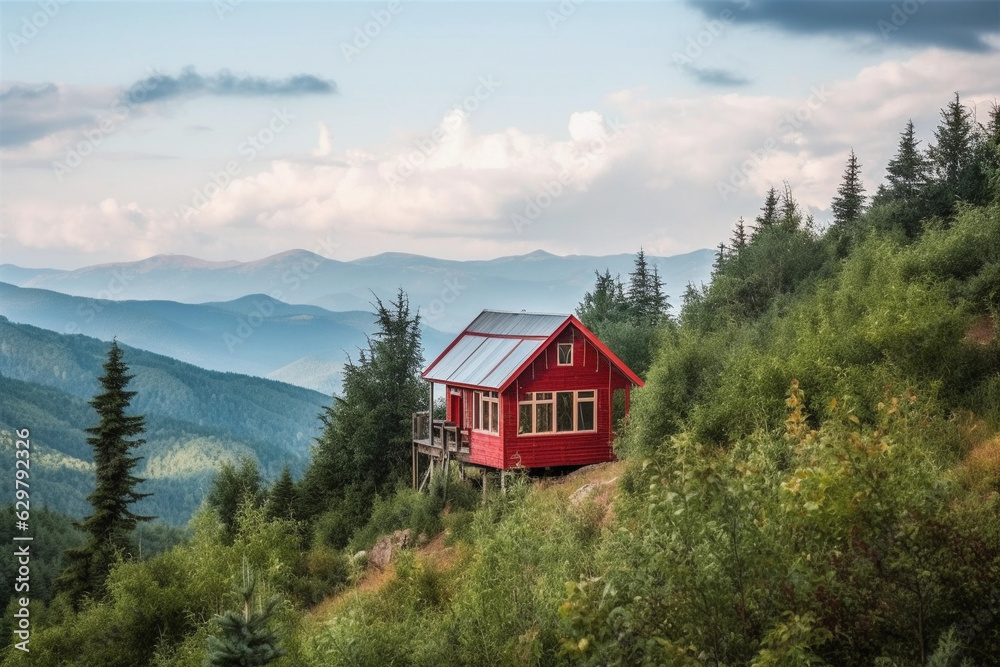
[[811, 476], [196, 419]]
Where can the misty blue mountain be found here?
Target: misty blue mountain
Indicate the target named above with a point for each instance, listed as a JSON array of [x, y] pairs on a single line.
[[447, 293]]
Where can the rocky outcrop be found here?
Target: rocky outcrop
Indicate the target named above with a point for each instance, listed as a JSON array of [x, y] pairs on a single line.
[[381, 555]]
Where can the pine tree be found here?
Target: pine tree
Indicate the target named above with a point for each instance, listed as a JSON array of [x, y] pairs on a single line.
[[109, 527], [850, 199], [955, 138], [907, 171], [769, 211], [245, 639], [281, 500]]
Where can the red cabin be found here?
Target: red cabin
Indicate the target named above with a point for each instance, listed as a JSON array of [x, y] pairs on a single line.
[[526, 390]]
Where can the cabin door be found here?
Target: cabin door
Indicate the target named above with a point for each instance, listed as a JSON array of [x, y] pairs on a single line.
[[455, 409]]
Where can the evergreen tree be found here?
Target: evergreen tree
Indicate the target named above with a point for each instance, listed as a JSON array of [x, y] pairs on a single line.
[[692, 308], [769, 211], [245, 639], [639, 295], [955, 138], [907, 171], [739, 238], [365, 444], [232, 487], [850, 199], [721, 255], [660, 305], [647, 302], [281, 500], [627, 321], [790, 218], [108, 529], [992, 129], [692, 296], [606, 302]]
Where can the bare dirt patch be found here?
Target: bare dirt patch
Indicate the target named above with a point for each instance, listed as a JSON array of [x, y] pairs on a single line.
[[983, 331]]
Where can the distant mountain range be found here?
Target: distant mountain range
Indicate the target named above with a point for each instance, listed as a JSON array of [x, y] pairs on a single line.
[[447, 293], [195, 420], [255, 334]]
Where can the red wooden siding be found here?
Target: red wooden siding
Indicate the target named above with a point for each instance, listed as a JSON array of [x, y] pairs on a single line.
[[590, 370], [484, 448]]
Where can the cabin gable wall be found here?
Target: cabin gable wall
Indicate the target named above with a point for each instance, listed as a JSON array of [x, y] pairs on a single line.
[[590, 370]]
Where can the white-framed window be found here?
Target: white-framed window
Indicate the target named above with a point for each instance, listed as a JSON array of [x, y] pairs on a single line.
[[557, 412], [564, 352], [486, 411]]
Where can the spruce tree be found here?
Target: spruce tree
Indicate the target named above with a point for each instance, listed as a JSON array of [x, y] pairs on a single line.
[[955, 139], [660, 305], [639, 295], [108, 528], [721, 255], [281, 500], [850, 199], [607, 302], [790, 218], [365, 444], [769, 211], [992, 128], [232, 487], [245, 640], [646, 299], [907, 171], [739, 238]]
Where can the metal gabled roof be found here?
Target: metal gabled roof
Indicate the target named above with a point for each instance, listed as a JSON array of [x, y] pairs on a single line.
[[496, 323], [482, 361], [497, 346]]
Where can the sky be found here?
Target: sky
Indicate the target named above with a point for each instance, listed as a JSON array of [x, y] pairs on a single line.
[[235, 129]]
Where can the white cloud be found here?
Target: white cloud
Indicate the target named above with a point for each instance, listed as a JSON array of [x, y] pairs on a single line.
[[323, 148], [452, 191]]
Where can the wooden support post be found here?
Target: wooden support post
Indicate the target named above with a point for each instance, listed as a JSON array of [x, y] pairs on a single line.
[[416, 465], [503, 481], [426, 476], [430, 409], [444, 469]]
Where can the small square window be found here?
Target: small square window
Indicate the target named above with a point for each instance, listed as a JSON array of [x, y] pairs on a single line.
[[565, 354]]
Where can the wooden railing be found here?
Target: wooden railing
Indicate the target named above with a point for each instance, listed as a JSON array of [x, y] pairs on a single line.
[[447, 436]]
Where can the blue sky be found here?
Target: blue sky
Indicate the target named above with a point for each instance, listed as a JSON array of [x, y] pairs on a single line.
[[235, 130]]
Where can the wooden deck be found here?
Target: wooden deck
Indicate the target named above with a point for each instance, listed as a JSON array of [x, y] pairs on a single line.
[[441, 441]]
